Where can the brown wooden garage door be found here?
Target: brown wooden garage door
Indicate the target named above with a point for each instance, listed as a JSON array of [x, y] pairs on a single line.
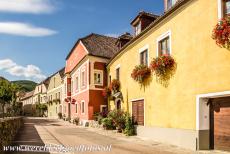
[[221, 124], [138, 112]]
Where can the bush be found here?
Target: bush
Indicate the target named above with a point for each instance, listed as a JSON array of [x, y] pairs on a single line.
[[76, 120], [129, 126], [60, 115], [118, 118], [68, 119], [108, 124], [8, 129]]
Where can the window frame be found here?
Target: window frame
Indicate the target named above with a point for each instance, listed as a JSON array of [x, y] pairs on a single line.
[[76, 108], [77, 83], [83, 107], [101, 77], [221, 8], [118, 67], [162, 37], [83, 79], [143, 49]]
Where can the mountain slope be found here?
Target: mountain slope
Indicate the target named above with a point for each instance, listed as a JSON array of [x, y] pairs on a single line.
[[26, 85]]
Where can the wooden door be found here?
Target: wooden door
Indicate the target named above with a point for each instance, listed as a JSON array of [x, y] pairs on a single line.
[[138, 112], [220, 124]]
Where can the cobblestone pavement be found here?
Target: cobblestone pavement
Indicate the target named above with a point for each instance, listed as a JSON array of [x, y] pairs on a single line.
[[41, 131]]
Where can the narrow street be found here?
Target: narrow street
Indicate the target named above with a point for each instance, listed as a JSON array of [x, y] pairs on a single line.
[[40, 132]]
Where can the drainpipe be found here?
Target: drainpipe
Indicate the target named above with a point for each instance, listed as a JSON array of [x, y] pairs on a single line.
[[69, 94]]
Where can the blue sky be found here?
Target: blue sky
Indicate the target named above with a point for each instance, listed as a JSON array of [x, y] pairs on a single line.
[[36, 35]]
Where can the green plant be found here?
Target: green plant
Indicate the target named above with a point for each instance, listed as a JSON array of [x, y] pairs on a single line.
[[164, 68], [118, 118], [60, 115], [108, 124], [76, 120], [140, 73], [129, 126], [68, 119]]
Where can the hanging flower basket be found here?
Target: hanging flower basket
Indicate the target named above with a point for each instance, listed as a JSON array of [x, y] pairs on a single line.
[[164, 68], [140, 73], [221, 33], [106, 92], [115, 85]]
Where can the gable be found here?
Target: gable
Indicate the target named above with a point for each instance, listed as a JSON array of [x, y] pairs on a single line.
[[78, 53]]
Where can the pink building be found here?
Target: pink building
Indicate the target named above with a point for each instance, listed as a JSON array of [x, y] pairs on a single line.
[[86, 76]]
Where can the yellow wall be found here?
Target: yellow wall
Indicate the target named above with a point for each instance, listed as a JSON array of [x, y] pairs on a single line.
[[54, 87], [202, 67]]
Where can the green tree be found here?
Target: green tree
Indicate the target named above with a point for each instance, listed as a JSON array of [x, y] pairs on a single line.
[[5, 94]]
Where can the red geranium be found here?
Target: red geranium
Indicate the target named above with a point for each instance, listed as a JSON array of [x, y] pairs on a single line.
[[164, 67], [140, 73], [67, 100], [221, 32], [115, 85]]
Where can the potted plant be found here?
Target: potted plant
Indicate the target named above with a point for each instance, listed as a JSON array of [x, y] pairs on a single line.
[[164, 68], [60, 115], [140, 73], [221, 33], [76, 120]]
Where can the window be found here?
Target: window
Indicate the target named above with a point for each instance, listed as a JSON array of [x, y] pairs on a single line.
[[138, 28], [71, 86], [54, 82], [118, 73], [77, 83], [82, 107], [56, 96], [59, 95], [164, 46], [170, 3], [83, 79], [98, 77], [144, 57], [110, 79], [226, 7], [76, 108], [51, 98]]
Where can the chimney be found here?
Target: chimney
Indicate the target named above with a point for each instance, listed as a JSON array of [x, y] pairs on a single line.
[[142, 21]]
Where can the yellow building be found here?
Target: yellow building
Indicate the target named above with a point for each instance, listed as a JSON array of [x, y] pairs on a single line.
[[54, 94], [178, 113]]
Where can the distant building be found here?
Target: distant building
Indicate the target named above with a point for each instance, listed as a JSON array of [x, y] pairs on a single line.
[[54, 94], [28, 104]]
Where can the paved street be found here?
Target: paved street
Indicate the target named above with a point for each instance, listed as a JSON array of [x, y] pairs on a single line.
[[40, 131]]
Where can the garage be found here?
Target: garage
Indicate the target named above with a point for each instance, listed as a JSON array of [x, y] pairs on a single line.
[[220, 124], [138, 112]]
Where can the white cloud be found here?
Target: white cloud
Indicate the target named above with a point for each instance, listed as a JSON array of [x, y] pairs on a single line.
[[26, 6], [23, 29], [29, 72], [6, 63], [112, 35]]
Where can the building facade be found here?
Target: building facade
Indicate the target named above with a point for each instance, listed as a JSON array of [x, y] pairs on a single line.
[[40, 94], [28, 104], [86, 76], [180, 113], [54, 94]]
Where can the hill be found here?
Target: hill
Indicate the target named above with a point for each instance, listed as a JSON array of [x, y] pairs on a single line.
[[26, 85]]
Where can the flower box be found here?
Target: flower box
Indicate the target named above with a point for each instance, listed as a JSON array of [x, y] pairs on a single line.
[[140, 73]]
